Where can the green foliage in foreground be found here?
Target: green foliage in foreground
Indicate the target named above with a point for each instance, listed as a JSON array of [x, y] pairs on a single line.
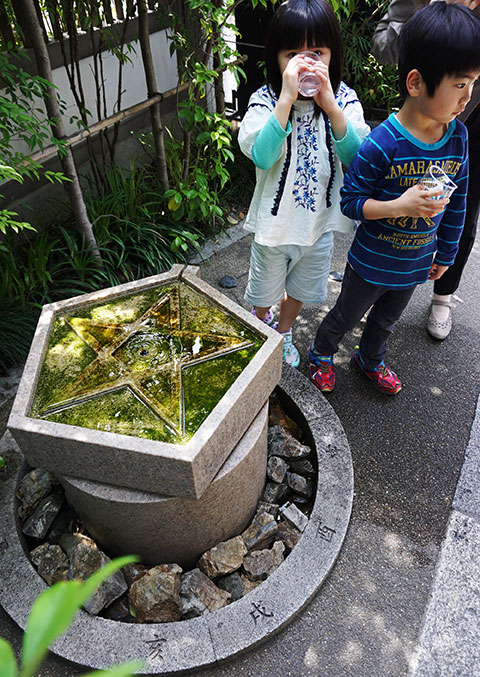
[[51, 614]]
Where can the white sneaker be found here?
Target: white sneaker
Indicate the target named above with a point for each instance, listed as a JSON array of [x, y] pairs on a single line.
[[440, 324], [290, 354]]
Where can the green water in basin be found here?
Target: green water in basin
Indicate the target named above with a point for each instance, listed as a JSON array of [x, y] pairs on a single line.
[[152, 364]]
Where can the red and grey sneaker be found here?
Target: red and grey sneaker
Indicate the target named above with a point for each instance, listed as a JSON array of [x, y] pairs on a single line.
[[382, 377], [322, 374]]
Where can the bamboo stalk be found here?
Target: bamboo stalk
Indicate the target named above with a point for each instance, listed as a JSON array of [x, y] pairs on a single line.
[[114, 119]]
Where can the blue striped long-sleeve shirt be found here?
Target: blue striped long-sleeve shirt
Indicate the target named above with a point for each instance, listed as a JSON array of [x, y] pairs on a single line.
[[398, 252]]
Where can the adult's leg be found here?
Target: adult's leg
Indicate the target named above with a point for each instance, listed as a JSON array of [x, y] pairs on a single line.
[[356, 297], [449, 282], [380, 323]]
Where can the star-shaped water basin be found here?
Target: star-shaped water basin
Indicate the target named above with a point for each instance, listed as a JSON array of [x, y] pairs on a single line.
[[152, 364], [148, 385]]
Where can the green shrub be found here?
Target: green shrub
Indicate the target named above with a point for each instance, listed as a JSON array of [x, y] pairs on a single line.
[[136, 239], [375, 84]]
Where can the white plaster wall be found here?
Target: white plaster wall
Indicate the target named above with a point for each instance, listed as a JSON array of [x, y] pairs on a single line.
[[133, 82]]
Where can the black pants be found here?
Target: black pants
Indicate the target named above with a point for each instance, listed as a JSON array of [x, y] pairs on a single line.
[[450, 280], [355, 298]]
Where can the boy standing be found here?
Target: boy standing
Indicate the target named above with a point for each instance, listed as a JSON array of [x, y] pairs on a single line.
[[405, 237], [385, 49]]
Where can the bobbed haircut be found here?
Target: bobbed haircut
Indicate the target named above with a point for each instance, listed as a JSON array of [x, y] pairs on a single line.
[[439, 40], [300, 22]]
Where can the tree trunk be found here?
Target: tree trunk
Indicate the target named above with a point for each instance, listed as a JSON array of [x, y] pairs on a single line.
[[72, 187], [219, 90], [144, 37]]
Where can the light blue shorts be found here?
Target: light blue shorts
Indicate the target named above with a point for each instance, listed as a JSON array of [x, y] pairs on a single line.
[[300, 271]]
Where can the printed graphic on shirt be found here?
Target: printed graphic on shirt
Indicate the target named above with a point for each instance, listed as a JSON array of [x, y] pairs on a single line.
[[400, 240], [304, 190], [410, 172]]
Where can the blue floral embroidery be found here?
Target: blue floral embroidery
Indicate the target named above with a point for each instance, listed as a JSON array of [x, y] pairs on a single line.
[[304, 190]]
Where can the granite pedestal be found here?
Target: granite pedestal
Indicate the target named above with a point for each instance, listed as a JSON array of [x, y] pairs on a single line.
[[176, 529]]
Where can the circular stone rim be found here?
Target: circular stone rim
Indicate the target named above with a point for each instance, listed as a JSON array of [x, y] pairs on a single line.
[[183, 646]]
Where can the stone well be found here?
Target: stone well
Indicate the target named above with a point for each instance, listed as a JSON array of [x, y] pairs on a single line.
[[187, 646], [148, 401]]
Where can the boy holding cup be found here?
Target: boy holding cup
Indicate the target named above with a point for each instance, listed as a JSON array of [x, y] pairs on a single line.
[[405, 237]]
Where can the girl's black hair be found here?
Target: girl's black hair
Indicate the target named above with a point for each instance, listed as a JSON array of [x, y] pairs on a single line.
[[440, 39], [300, 22]]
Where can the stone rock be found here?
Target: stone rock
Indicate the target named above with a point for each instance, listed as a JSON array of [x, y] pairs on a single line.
[[155, 597], [294, 516], [70, 542], [248, 585], [11, 454], [275, 493], [271, 508], [303, 467], [42, 517], [223, 558], [287, 534], [276, 469], [303, 503], [277, 416], [119, 610], [133, 572], [281, 443], [199, 595], [261, 532], [227, 282], [299, 484], [85, 559], [237, 584], [34, 486], [233, 584], [51, 563], [63, 523], [260, 564]]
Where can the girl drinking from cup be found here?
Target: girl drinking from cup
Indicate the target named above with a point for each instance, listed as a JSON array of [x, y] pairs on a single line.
[[298, 144]]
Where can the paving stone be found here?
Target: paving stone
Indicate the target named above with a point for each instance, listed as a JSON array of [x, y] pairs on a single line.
[[449, 642], [467, 495]]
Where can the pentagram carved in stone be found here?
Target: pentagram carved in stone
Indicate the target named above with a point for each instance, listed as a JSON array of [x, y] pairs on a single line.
[[147, 356]]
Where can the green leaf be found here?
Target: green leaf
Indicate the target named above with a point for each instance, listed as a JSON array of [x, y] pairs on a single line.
[[8, 664], [54, 610], [124, 670]]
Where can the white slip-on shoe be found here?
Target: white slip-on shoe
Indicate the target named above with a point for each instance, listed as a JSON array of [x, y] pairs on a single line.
[[439, 328]]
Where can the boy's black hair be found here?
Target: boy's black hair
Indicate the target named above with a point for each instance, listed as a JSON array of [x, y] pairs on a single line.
[[299, 22], [439, 40]]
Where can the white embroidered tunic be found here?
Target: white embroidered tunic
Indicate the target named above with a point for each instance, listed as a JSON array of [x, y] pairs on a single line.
[[298, 198]]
